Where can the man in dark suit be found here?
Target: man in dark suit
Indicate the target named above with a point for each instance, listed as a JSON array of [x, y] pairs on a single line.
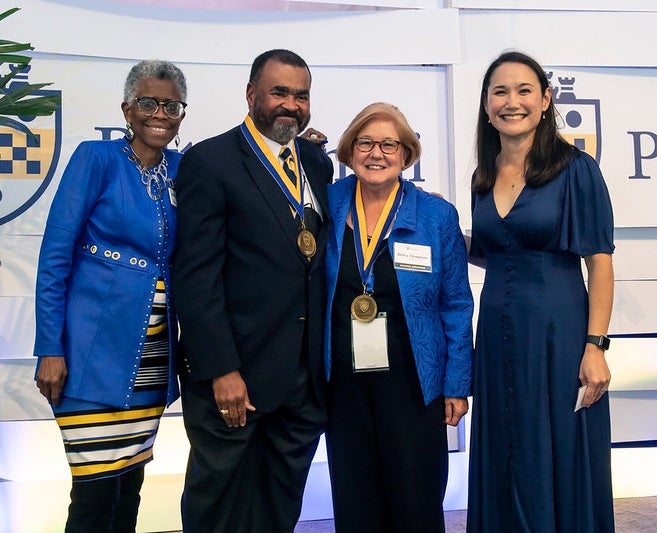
[[248, 284]]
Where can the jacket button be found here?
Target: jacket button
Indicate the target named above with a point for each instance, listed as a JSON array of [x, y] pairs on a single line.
[[302, 319]]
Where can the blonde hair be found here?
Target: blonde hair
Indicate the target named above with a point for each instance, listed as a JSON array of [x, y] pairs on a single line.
[[371, 113]]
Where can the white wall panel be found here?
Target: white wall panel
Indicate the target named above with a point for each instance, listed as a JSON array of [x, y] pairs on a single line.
[[635, 257], [18, 264], [405, 4], [19, 397], [566, 5], [574, 38], [633, 365], [634, 308], [16, 326], [633, 415], [396, 37]]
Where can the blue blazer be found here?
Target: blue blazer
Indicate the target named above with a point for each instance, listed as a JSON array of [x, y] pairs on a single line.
[[437, 305], [103, 250]]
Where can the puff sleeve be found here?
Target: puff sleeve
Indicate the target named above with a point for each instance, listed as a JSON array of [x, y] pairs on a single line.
[[587, 225]]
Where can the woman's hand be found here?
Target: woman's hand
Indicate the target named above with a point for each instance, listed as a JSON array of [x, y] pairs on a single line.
[[455, 408], [593, 370], [51, 377], [594, 373]]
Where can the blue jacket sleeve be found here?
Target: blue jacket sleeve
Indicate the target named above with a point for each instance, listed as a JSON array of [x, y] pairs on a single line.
[[79, 189], [456, 307]]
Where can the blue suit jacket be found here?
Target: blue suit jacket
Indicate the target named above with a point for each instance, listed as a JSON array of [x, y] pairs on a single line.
[[437, 305], [101, 256], [246, 297]]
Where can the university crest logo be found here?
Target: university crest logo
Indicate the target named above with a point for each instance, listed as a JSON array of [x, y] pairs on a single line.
[[27, 162], [581, 117]]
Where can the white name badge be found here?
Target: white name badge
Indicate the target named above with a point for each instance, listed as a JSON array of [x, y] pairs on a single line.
[[369, 344], [415, 257]]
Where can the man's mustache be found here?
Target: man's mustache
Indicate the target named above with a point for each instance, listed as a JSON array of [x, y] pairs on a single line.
[[288, 114]]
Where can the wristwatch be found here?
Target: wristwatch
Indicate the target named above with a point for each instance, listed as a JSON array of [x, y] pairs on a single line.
[[599, 340]]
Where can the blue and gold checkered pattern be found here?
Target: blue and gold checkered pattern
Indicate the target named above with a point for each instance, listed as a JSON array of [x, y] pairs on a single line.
[[22, 156]]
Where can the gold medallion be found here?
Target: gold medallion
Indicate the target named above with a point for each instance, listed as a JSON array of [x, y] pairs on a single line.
[[306, 243], [364, 308]]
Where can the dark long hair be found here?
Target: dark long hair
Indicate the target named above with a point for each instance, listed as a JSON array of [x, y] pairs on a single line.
[[549, 153]]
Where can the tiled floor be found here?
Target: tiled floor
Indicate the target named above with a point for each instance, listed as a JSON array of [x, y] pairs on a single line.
[[633, 515]]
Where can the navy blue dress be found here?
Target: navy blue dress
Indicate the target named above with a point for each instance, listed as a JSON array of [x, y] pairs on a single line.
[[535, 465]]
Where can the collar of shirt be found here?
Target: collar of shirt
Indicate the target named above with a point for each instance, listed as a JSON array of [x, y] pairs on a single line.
[[309, 196], [275, 147]]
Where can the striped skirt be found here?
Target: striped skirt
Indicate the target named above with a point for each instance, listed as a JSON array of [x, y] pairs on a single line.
[[102, 441]]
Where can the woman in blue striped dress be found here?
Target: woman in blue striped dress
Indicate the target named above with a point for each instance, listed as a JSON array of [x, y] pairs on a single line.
[[105, 330]]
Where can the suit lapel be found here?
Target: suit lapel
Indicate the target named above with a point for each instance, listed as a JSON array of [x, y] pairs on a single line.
[[273, 196]]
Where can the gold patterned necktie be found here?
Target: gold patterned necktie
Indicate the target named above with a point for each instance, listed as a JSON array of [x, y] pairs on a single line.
[[289, 166], [311, 218]]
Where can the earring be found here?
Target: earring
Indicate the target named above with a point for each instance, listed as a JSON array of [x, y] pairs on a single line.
[[543, 115], [176, 141], [129, 134], [489, 120]]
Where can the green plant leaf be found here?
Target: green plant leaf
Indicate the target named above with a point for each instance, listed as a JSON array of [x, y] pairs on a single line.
[[15, 124], [13, 58], [40, 106], [9, 12], [4, 80], [10, 46], [23, 91], [21, 101]]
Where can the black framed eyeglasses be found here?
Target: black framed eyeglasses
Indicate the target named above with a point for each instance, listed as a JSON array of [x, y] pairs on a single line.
[[387, 146], [149, 106]]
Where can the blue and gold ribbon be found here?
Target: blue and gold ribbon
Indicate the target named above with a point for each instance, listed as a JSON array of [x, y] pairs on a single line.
[[293, 191], [367, 252]]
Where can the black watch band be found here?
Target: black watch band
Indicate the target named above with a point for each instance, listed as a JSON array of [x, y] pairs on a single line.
[[599, 340]]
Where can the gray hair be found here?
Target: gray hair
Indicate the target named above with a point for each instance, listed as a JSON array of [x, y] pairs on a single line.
[[154, 68]]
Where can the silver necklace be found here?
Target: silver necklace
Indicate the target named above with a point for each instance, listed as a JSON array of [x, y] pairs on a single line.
[[155, 181]]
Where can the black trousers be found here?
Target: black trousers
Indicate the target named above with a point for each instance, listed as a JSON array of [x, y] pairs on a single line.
[[108, 505], [387, 453], [248, 479]]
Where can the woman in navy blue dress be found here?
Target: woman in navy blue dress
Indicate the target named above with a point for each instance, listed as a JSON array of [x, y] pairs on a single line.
[[539, 206]]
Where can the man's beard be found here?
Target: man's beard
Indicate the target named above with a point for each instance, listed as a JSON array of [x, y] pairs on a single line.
[[280, 132]]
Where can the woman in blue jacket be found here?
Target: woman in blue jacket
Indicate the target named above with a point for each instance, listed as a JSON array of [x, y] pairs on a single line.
[[105, 329], [398, 333]]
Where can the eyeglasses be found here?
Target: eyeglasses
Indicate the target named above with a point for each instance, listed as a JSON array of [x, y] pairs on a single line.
[[387, 146], [149, 106]]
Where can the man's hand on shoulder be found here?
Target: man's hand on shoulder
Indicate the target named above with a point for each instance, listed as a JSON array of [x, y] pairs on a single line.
[[315, 136]]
